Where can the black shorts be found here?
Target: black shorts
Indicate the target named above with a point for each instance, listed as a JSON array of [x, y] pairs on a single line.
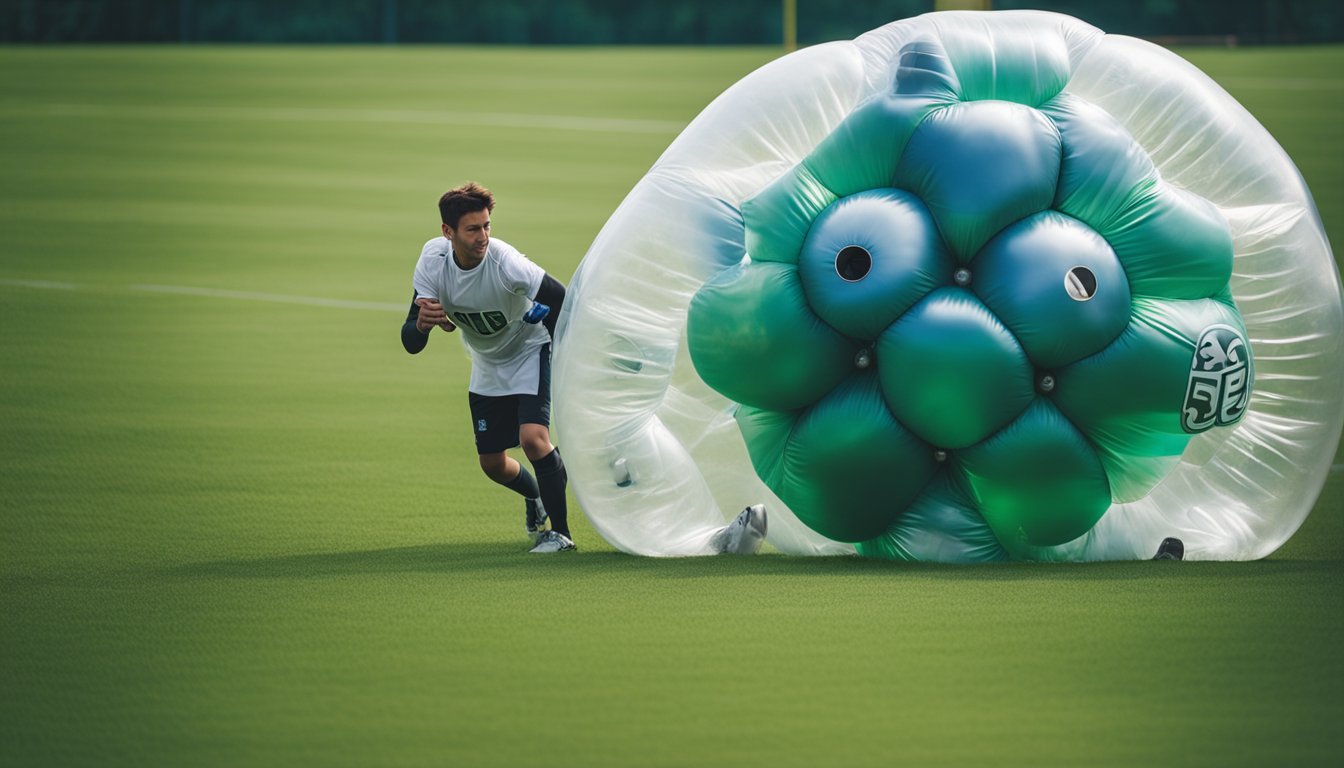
[[495, 419]]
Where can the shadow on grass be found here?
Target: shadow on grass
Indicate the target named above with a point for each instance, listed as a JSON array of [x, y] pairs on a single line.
[[1314, 551], [507, 560]]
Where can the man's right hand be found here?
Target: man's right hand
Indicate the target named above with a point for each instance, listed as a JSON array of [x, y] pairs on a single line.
[[432, 314]]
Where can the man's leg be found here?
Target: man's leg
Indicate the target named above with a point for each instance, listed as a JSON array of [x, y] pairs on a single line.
[[494, 420], [506, 471], [534, 434], [503, 469], [551, 476]]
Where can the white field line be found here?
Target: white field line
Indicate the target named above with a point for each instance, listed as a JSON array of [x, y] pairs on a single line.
[[332, 115], [277, 298], [52, 284], [217, 293]]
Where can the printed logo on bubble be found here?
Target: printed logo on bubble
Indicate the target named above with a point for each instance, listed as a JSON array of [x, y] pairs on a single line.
[[1219, 388]]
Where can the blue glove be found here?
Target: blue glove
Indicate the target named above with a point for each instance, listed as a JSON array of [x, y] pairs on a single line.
[[536, 313]]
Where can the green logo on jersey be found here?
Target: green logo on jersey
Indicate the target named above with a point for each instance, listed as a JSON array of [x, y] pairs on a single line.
[[484, 323]]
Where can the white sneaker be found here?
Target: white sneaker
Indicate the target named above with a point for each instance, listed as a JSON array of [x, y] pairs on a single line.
[[744, 535], [535, 522], [552, 541]]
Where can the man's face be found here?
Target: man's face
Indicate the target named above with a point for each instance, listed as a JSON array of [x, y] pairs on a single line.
[[471, 236]]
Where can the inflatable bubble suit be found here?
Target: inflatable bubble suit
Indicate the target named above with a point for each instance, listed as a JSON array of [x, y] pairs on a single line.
[[970, 287]]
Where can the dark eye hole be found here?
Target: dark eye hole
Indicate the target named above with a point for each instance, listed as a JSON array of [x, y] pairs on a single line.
[[852, 263], [1080, 283]]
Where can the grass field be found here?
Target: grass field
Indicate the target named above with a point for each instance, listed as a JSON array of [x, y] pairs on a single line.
[[240, 526]]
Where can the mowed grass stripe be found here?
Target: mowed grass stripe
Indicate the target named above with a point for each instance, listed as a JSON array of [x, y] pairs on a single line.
[[214, 293], [1284, 83], [309, 114]]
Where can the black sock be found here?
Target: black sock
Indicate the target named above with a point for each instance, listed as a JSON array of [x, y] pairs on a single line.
[[552, 479], [524, 484]]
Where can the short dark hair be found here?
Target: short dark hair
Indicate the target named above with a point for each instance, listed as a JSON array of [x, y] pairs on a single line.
[[468, 198]]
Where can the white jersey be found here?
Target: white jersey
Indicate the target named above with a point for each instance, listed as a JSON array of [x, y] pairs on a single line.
[[487, 304]]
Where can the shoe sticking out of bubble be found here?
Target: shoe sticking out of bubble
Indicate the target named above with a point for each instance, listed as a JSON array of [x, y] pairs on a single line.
[[1171, 548], [744, 535]]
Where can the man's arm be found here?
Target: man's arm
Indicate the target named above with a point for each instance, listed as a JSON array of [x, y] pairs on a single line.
[[552, 294], [412, 338], [424, 314]]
